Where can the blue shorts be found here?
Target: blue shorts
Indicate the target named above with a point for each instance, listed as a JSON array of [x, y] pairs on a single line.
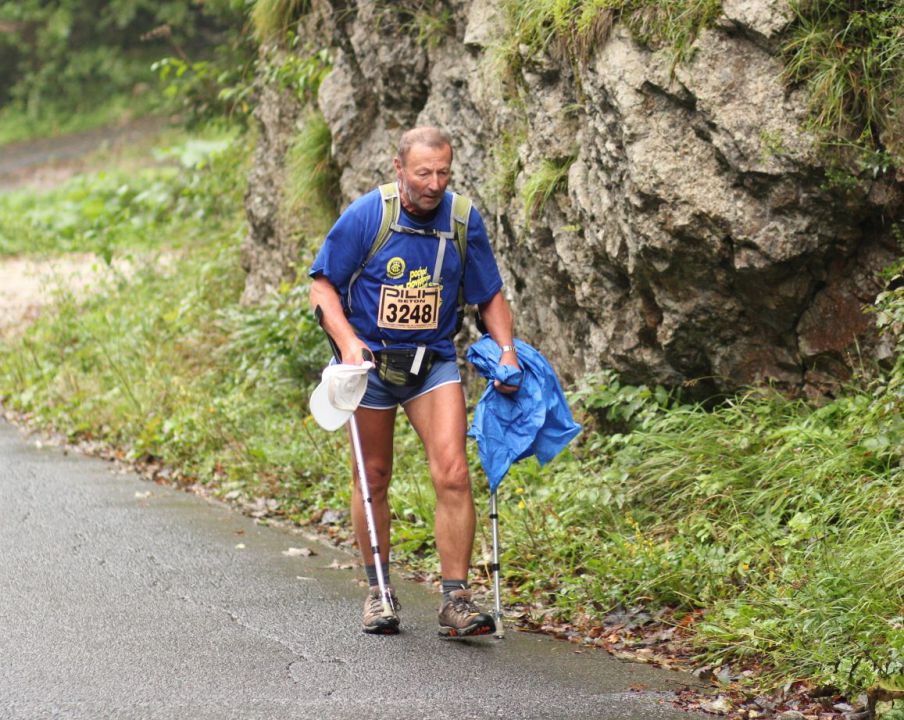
[[383, 396]]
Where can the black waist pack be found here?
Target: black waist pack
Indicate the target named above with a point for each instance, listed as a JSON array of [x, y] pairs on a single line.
[[403, 367]]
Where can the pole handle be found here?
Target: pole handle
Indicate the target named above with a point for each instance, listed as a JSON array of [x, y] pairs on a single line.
[[366, 354]]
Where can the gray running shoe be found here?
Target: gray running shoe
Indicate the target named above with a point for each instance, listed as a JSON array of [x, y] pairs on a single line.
[[460, 617], [374, 621]]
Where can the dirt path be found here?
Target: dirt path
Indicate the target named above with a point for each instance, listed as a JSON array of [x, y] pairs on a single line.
[[46, 162], [29, 284]]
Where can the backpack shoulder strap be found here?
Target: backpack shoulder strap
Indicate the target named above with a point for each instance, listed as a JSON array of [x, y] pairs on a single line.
[[389, 194], [458, 223], [390, 206]]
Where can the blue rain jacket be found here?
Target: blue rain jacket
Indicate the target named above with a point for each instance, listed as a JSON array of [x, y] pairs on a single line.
[[535, 420]]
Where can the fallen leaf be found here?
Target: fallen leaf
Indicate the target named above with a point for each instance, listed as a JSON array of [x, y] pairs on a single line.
[[298, 552], [719, 706], [336, 565]]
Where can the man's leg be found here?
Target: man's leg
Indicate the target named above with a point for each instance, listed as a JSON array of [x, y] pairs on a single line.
[[440, 420], [375, 430]]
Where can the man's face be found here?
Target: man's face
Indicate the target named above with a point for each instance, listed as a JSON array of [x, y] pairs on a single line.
[[424, 177]]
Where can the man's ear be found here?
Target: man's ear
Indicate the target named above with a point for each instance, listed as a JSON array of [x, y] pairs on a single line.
[[397, 164]]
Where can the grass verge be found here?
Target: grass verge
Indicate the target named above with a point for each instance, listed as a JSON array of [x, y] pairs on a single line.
[[572, 29], [17, 125], [126, 206], [850, 56]]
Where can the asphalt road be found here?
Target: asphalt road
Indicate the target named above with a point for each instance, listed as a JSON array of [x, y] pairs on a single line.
[[124, 599]]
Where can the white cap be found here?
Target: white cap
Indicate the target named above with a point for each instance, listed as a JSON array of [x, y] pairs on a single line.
[[338, 394]]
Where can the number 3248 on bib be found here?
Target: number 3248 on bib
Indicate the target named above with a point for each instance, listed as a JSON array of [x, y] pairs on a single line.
[[404, 308]]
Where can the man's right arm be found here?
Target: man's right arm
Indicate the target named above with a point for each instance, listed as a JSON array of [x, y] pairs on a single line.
[[324, 295]]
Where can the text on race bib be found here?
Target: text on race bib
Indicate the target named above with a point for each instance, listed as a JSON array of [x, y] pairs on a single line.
[[403, 308]]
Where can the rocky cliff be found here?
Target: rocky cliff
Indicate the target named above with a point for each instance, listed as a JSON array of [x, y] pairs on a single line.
[[689, 236]]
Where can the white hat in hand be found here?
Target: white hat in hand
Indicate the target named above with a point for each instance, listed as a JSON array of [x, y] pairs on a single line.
[[338, 394]]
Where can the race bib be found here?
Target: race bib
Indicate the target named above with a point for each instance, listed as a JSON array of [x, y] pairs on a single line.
[[403, 308]]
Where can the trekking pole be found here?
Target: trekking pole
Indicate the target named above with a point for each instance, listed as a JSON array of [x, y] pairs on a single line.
[[369, 514], [494, 519], [385, 598]]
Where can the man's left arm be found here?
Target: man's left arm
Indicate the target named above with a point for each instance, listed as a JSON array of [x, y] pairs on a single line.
[[497, 317]]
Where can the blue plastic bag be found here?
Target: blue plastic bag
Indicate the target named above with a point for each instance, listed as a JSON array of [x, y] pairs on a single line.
[[535, 420]]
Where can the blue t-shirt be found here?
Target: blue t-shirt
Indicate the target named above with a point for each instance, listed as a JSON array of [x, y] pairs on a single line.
[[401, 274]]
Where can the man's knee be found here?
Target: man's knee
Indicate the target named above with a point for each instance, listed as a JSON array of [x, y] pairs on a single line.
[[378, 476], [450, 475]]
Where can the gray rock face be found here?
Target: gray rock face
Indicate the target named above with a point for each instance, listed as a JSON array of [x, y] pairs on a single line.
[[268, 250], [695, 241], [764, 17]]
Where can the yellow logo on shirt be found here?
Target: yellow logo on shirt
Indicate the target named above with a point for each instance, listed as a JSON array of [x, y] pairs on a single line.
[[418, 278], [395, 268]]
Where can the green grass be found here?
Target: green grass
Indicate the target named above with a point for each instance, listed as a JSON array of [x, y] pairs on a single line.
[[272, 19], [312, 181], [107, 211], [16, 124], [573, 29], [674, 25], [507, 162], [781, 520], [850, 56], [429, 22], [169, 365], [432, 23], [551, 177]]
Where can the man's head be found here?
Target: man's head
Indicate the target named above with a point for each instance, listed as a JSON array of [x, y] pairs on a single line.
[[423, 166]]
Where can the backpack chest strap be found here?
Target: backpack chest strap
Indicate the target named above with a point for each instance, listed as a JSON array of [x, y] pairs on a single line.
[[389, 223]]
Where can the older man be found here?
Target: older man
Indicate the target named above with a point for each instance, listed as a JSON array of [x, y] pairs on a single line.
[[391, 278]]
